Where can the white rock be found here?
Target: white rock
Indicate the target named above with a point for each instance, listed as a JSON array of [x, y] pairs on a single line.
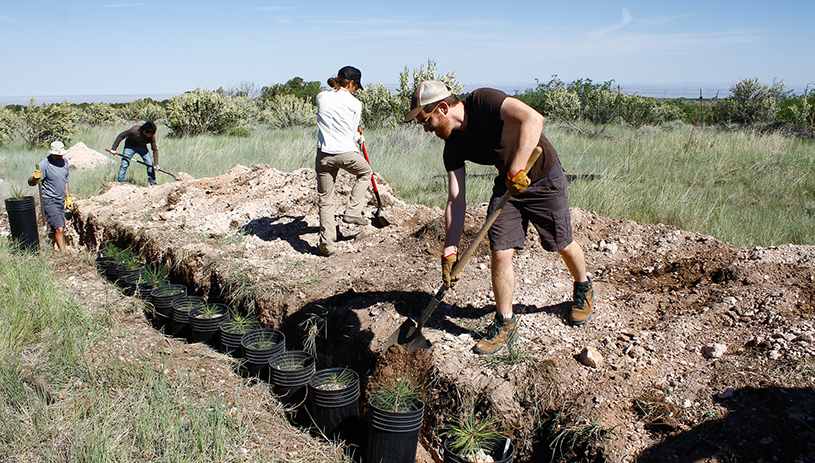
[[715, 350], [725, 393], [591, 357]]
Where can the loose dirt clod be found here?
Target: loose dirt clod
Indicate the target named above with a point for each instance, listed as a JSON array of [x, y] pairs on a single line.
[[662, 297]]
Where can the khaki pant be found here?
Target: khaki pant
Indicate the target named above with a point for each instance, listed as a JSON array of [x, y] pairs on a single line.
[[327, 166]]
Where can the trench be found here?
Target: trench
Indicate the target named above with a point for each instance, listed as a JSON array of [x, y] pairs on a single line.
[[343, 342]]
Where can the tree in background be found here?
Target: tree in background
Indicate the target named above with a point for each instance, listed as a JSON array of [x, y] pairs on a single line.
[[295, 86], [40, 125]]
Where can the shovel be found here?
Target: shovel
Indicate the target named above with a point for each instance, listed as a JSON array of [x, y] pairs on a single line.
[[42, 206], [410, 335], [116, 153], [377, 220]]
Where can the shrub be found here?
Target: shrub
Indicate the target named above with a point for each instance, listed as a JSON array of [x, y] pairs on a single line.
[[289, 111], [752, 102], [8, 125], [409, 81], [204, 111], [800, 110], [295, 86], [99, 114], [380, 108], [43, 124], [553, 100], [143, 110]]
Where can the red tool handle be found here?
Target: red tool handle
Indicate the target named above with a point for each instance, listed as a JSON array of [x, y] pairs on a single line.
[[365, 153]]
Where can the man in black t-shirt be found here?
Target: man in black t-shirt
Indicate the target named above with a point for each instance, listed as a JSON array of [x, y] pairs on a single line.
[[489, 127]]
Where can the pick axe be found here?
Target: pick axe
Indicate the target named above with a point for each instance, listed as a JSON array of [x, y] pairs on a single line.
[[116, 153]]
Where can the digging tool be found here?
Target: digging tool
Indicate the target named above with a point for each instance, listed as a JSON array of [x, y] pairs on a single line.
[[116, 153], [42, 206], [409, 334], [377, 220]]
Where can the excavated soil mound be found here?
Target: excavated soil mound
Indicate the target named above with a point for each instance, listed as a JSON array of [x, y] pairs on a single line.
[[80, 156], [699, 350]]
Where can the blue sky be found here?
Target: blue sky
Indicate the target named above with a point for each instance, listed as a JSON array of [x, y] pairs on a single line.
[[114, 47]]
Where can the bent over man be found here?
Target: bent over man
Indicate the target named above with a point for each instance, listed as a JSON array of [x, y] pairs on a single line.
[[490, 128]]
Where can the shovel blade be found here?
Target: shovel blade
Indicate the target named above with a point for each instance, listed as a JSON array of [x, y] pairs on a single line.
[[379, 222], [409, 337]]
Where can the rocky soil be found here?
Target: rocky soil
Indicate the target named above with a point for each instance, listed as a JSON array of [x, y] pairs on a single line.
[[698, 350]]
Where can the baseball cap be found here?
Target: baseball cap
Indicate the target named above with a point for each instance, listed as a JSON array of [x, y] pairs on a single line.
[[351, 73], [429, 91], [57, 148]]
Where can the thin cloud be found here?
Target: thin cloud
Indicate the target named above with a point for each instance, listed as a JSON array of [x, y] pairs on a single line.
[[123, 5], [272, 8], [627, 18], [6, 19]]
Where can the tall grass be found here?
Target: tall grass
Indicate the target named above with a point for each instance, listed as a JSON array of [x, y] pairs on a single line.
[[76, 386], [744, 188]]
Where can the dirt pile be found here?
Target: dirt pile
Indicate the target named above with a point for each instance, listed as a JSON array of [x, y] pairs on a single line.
[[690, 334], [80, 156]]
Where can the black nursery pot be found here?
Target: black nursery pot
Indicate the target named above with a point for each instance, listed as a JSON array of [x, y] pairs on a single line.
[[22, 220], [257, 358], [500, 453], [162, 300], [205, 329], [181, 315], [334, 411], [393, 436], [289, 373]]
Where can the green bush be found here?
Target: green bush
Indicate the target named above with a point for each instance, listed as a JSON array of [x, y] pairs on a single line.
[[799, 110], [145, 109], [380, 108], [289, 111], [40, 125], [408, 81], [295, 86], [752, 102], [99, 114], [203, 111], [8, 125], [583, 100]]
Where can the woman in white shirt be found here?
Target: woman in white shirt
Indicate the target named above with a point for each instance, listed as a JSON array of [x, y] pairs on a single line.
[[338, 114]]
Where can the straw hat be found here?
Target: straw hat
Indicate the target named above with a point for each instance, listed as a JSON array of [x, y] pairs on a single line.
[[57, 149]]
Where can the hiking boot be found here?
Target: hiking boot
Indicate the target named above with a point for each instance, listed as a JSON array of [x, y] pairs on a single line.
[[500, 332], [324, 250], [583, 303], [355, 220]]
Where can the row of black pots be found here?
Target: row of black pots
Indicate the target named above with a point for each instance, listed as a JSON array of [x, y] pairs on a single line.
[[392, 436]]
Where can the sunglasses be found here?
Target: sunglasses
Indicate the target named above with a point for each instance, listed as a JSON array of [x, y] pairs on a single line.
[[427, 119]]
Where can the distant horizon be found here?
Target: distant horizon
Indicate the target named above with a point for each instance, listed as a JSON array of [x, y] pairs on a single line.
[[654, 91]]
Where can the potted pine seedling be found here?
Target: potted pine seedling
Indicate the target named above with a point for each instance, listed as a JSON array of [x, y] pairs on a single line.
[[395, 414], [22, 218], [259, 346], [181, 315], [334, 397], [232, 329], [470, 439], [205, 320], [150, 277], [162, 298], [289, 374]]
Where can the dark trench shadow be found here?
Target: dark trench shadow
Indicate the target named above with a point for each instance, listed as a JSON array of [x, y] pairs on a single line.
[[269, 229], [761, 424]]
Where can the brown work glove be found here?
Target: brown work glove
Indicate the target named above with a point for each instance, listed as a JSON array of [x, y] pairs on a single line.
[[447, 263], [518, 183]]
